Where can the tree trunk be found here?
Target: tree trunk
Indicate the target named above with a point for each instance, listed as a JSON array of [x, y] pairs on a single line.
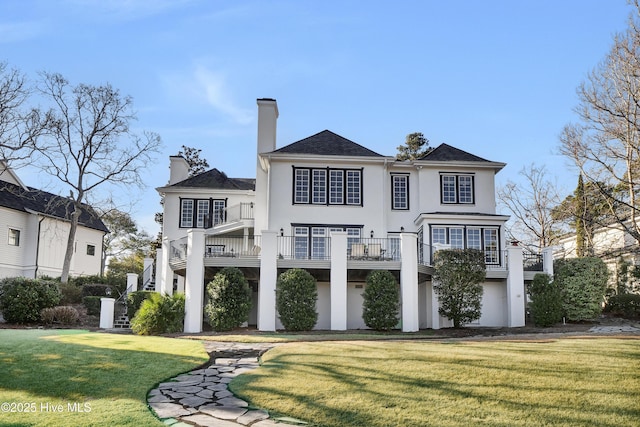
[[66, 265]]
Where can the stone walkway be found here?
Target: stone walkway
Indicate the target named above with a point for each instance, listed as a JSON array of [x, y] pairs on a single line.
[[202, 398]]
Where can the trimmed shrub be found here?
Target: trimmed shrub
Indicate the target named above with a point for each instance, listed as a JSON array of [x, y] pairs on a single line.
[[159, 314], [22, 299], [583, 282], [93, 305], [63, 314], [71, 293], [135, 300], [625, 305], [546, 301], [229, 300], [457, 276], [296, 296], [381, 300]]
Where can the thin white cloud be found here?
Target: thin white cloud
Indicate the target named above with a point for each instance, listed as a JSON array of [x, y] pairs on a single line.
[[11, 32], [128, 10], [215, 89], [203, 85]]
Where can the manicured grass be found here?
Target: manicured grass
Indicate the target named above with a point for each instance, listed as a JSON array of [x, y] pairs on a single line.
[[77, 378], [282, 337], [560, 382]]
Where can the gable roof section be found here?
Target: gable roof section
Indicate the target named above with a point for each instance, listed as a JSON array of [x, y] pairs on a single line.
[[327, 143], [218, 180], [32, 200], [447, 153]]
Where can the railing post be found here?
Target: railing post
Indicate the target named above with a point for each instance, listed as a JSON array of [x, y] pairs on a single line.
[[166, 283], [132, 282]]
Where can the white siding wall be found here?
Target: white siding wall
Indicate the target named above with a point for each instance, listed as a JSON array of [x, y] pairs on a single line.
[[20, 260], [11, 257], [283, 212], [484, 187], [171, 220]]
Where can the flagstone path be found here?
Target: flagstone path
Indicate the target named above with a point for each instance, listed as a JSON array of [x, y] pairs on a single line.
[[202, 398]]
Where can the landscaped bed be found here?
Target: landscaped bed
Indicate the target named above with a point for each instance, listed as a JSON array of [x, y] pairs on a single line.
[[76, 378]]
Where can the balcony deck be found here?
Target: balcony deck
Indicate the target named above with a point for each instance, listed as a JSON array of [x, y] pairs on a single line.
[[315, 253]]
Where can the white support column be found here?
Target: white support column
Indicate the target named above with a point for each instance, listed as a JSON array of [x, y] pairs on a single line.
[[132, 282], [158, 283], [547, 261], [515, 287], [267, 285], [338, 281], [409, 282], [166, 285], [107, 306], [435, 306], [194, 283]]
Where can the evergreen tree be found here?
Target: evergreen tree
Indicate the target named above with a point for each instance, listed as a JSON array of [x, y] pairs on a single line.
[[415, 146]]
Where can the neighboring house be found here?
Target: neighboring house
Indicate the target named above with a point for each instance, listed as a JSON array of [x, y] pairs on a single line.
[[34, 230], [611, 244], [339, 210]]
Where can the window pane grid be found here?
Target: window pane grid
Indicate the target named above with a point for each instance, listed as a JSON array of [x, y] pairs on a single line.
[[449, 189], [202, 212], [302, 186], [186, 218], [319, 186], [465, 189], [353, 188], [336, 187], [400, 193], [456, 238]]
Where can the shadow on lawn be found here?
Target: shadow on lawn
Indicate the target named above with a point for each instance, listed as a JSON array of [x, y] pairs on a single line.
[[448, 390], [50, 364]]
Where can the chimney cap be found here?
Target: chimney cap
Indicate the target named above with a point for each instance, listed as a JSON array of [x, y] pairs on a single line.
[[266, 99]]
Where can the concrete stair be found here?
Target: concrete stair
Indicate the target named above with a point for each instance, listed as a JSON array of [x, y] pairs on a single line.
[[122, 322]]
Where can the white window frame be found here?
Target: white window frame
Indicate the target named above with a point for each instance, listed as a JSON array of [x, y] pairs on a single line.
[[457, 189], [354, 187], [400, 190], [202, 212], [319, 186], [336, 187], [187, 207], [13, 237], [302, 185]]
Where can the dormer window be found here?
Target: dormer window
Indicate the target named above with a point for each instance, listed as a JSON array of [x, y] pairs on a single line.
[[457, 189]]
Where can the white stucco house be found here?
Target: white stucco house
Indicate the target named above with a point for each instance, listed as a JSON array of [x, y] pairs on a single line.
[[339, 210], [34, 230]]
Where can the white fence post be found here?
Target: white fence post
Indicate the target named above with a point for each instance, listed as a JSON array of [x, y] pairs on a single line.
[[106, 312]]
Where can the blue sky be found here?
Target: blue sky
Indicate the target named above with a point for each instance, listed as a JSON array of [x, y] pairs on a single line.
[[496, 78]]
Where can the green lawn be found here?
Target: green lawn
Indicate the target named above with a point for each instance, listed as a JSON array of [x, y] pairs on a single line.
[[75, 378], [559, 382]]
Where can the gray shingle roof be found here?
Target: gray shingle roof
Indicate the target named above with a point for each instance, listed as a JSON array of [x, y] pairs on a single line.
[[327, 143], [219, 180], [15, 197], [447, 153]]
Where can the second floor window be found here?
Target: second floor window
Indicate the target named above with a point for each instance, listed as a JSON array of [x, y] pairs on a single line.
[[201, 213], [457, 189], [469, 237], [400, 184], [327, 186]]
